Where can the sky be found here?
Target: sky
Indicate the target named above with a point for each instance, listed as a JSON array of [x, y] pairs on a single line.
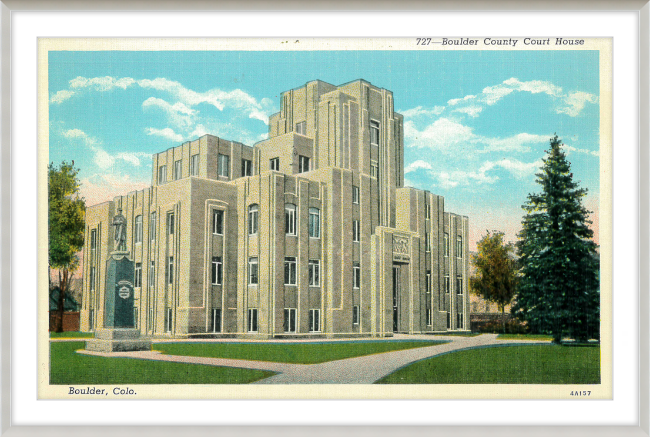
[[476, 123]]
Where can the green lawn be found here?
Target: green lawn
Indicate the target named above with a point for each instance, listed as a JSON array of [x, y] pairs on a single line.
[[298, 353], [534, 364], [71, 334], [68, 367], [524, 337]]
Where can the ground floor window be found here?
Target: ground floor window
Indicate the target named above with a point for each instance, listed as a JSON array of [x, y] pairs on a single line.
[[355, 315], [429, 321], [215, 322], [151, 319], [168, 320], [252, 320], [135, 317], [289, 320], [448, 320], [314, 320], [91, 319], [459, 321]]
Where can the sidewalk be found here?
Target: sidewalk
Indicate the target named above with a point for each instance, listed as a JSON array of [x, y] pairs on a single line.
[[360, 370]]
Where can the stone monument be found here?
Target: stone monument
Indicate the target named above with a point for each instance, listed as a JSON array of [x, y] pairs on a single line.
[[119, 333]]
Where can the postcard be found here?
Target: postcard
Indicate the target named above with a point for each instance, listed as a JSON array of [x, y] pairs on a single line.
[[411, 218]]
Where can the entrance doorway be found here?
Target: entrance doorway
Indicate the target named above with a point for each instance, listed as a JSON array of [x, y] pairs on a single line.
[[395, 298]]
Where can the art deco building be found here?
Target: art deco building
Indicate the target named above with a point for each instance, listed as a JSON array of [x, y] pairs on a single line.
[[308, 233]]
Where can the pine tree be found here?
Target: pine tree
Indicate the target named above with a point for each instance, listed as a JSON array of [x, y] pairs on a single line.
[[559, 266]]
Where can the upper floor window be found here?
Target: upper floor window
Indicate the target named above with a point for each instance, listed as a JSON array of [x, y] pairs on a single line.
[[152, 226], [274, 164], [314, 222], [459, 284], [162, 174], [356, 275], [447, 284], [170, 223], [427, 241], [290, 219], [93, 239], [459, 247], [217, 270], [92, 278], [223, 165], [170, 270], [303, 164], [374, 171], [374, 132], [137, 280], [290, 270], [428, 283], [446, 244], [427, 211], [137, 232], [253, 278], [355, 194], [178, 171], [253, 219], [246, 167], [314, 273], [217, 222], [152, 274], [194, 165], [356, 231], [301, 128]]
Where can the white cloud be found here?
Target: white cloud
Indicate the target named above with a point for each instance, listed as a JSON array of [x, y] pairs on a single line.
[[75, 133], [517, 168], [514, 143], [534, 86], [165, 133], [421, 111], [102, 158], [178, 113], [453, 102], [105, 83], [585, 151], [472, 110], [493, 94], [61, 96], [417, 165], [575, 102], [133, 157], [440, 135]]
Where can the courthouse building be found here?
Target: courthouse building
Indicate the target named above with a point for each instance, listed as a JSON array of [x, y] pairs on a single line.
[[308, 233]]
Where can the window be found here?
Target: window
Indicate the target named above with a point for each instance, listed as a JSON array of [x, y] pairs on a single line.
[[459, 247], [137, 233], [459, 321], [356, 276], [194, 165], [355, 194], [170, 223], [253, 216], [91, 319], [446, 244], [428, 282], [92, 278], [93, 239], [301, 128], [314, 222], [374, 132], [253, 278], [217, 221], [152, 274], [427, 242], [178, 172], [303, 164], [252, 320], [135, 317], [290, 219], [215, 322], [151, 319], [448, 320], [459, 284], [170, 270], [223, 165], [374, 171], [289, 320], [246, 167], [274, 164], [152, 227], [314, 320], [427, 211], [429, 321], [355, 315], [314, 273], [290, 270], [168, 320], [447, 284], [162, 174], [137, 281], [356, 232], [217, 270]]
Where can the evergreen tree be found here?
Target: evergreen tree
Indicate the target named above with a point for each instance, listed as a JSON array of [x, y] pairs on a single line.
[[559, 267], [65, 226], [496, 274]]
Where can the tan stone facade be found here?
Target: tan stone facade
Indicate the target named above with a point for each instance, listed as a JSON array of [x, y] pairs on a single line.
[[308, 233]]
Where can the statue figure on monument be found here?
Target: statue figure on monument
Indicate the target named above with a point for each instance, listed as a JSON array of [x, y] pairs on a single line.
[[119, 225]]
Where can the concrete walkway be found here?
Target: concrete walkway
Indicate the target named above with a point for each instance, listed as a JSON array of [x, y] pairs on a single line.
[[360, 370]]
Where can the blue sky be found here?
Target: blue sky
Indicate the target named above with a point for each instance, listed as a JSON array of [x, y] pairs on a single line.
[[477, 123]]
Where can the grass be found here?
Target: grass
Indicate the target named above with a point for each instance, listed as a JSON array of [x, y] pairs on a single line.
[[71, 334], [525, 337], [534, 364], [69, 367], [297, 353], [458, 334]]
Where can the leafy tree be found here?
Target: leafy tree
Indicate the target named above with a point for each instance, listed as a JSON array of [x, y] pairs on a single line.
[[496, 272], [65, 226], [559, 285]]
